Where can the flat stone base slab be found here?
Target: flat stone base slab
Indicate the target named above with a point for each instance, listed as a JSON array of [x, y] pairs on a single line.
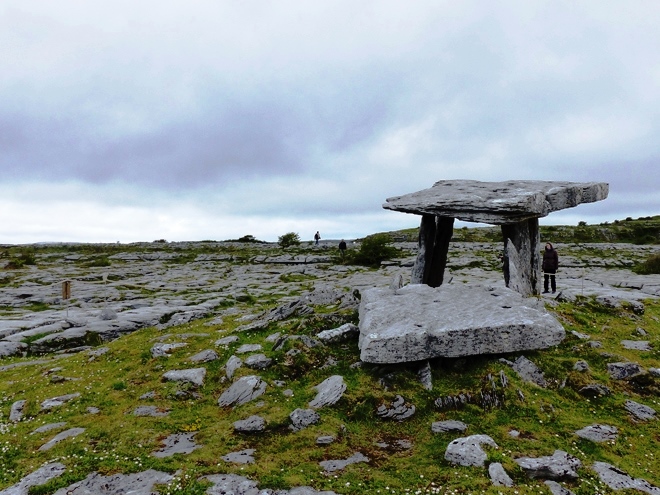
[[418, 322]]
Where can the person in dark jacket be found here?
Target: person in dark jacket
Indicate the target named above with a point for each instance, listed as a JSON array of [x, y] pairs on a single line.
[[549, 267]]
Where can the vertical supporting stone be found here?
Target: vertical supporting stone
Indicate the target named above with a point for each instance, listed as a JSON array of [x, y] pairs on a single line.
[[444, 228], [434, 236], [425, 252], [521, 256]]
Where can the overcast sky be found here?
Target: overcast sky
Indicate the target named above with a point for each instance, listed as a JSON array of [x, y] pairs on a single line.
[[135, 121]]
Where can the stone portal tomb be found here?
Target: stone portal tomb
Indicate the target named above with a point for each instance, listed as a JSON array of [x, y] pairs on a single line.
[[515, 205]]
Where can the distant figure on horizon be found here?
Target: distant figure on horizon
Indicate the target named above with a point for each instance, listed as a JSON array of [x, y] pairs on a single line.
[[549, 267], [342, 248], [317, 238]]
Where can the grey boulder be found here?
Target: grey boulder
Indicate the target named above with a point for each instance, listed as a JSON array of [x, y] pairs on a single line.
[[205, 356], [450, 426], [498, 476], [258, 361], [467, 451], [419, 322], [339, 464], [624, 371], [177, 443]]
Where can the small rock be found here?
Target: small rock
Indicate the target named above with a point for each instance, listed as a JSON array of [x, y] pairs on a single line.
[[108, 314], [557, 489], [258, 361], [148, 395], [498, 475], [598, 433], [623, 371], [641, 332], [48, 427], [233, 363], [93, 410], [58, 401], [325, 440], [240, 457], [398, 410], [450, 426], [72, 432], [581, 366], [149, 411], [594, 391], [253, 424], [243, 390], [178, 443], [339, 464], [581, 336], [529, 372], [640, 411], [342, 333], [16, 411], [225, 341], [559, 466], [163, 350], [302, 418], [637, 345], [194, 376], [205, 356], [329, 391], [619, 480], [245, 348], [467, 451]]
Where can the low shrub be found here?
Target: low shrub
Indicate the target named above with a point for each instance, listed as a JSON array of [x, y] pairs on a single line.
[[373, 250], [289, 239], [650, 266]]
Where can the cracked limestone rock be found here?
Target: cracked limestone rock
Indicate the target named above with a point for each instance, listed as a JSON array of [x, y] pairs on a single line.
[[419, 322], [243, 390], [467, 451], [558, 466], [329, 391]]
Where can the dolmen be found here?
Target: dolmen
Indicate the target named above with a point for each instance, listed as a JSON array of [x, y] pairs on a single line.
[[515, 205]]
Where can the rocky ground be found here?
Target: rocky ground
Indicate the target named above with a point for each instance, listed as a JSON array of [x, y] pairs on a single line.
[[156, 286]]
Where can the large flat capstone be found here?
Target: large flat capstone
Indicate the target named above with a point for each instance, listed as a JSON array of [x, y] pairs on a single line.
[[497, 203], [418, 322]]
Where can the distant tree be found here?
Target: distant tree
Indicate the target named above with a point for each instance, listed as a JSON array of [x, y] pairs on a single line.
[[289, 239]]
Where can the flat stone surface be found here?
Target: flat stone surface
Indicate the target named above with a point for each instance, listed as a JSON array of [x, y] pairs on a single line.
[[619, 480], [558, 466], [640, 411], [624, 371], [258, 361], [637, 345], [233, 363], [204, 356], [153, 411], [240, 457], [39, 477], [418, 322], [497, 202], [58, 401], [71, 432], [48, 427], [598, 433], [177, 443], [133, 484], [557, 489], [339, 464]]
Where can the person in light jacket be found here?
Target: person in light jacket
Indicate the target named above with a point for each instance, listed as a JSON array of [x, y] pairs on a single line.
[[549, 267]]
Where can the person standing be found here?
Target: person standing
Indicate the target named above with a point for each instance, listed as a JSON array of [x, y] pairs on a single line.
[[317, 238], [549, 267], [342, 248]]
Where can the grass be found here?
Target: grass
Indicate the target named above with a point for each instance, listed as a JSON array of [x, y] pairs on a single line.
[[116, 441]]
